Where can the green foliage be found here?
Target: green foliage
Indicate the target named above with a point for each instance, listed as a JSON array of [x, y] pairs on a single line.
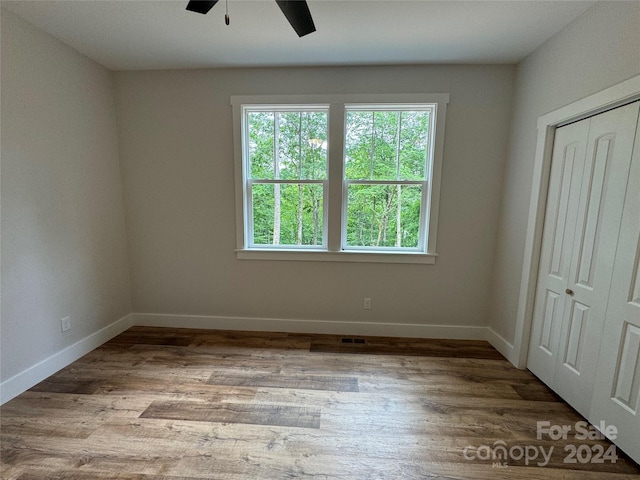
[[387, 146], [379, 146], [287, 146], [261, 145], [373, 215], [383, 145], [300, 222], [298, 145]]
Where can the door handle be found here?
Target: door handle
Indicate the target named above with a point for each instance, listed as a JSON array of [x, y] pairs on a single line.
[[568, 291]]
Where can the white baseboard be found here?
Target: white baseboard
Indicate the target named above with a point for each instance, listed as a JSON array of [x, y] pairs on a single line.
[[407, 330], [33, 375], [499, 343]]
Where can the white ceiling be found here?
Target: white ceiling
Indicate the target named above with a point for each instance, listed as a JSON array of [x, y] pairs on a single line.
[[133, 34]]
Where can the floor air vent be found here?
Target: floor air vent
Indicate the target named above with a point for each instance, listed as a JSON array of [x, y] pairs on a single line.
[[353, 340]]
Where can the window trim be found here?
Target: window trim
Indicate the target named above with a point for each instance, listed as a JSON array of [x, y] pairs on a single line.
[[333, 206]]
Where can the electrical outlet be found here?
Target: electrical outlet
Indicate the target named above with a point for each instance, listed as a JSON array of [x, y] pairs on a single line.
[[66, 324], [367, 304]]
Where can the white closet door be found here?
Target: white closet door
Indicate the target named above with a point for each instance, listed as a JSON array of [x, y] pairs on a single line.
[[553, 276], [589, 171], [602, 197], [616, 397]]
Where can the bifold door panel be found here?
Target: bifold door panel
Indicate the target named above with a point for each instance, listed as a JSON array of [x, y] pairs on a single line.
[[553, 277], [595, 236], [616, 393]]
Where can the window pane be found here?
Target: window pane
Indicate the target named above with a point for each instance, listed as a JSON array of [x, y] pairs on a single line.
[[287, 214], [383, 215], [386, 145], [358, 145], [302, 145], [414, 141], [297, 140], [261, 143]]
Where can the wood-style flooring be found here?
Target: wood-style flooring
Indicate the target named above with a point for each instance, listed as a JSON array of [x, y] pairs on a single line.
[[178, 404]]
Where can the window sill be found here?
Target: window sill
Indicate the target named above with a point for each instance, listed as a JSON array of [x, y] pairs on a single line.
[[343, 256]]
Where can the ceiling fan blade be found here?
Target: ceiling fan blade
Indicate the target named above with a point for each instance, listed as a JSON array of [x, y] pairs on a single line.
[[299, 16], [201, 6]]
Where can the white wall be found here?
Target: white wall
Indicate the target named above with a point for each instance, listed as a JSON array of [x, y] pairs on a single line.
[[175, 136], [597, 50], [63, 233]]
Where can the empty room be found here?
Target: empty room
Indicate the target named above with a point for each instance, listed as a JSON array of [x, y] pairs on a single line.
[[322, 239]]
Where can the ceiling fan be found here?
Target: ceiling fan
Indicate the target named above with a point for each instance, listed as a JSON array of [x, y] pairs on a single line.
[[296, 11]]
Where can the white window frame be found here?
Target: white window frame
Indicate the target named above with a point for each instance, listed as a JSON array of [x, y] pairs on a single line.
[[334, 209]]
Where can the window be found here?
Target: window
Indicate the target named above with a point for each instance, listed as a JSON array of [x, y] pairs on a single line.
[[352, 178], [386, 160], [286, 176]]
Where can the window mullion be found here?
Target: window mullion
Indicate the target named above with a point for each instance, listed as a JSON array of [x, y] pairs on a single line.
[[249, 209], [385, 182], [424, 212], [334, 201], [287, 182], [398, 145], [373, 144], [276, 145]]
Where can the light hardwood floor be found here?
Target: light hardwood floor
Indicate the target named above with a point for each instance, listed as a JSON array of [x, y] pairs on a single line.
[[156, 404]]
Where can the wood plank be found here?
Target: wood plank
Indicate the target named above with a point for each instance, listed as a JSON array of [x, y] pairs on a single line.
[[51, 426], [58, 385], [298, 382], [431, 348], [71, 406], [253, 414], [536, 392], [151, 340], [96, 475]]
